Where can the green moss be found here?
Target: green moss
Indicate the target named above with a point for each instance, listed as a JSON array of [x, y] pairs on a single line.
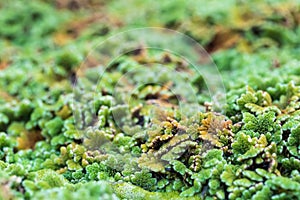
[[134, 133], [125, 190]]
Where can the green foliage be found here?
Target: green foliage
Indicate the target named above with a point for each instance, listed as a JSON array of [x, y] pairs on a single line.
[[229, 174], [94, 171], [293, 142], [252, 175], [90, 190], [42, 180], [144, 179], [67, 133], [33, 21], [5, 141], [179, 167], [67, 60], [54, 126], [262, 124], [242, 144], [212, 157]]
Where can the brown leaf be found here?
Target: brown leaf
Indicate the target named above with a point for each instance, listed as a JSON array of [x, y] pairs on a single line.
[[3, 65], [28, 139], [7, 97], [61, 38], [223, 39]]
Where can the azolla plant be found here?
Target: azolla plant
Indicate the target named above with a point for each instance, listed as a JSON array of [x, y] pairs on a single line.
[[58, 141]]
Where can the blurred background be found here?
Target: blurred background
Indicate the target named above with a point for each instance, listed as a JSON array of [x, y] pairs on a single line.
[[245, 25], [240, 35]]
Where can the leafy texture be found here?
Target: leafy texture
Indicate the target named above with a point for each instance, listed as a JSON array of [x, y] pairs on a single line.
[[145, 126]]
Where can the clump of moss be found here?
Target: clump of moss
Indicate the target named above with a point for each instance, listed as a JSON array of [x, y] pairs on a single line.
[[68, 135]]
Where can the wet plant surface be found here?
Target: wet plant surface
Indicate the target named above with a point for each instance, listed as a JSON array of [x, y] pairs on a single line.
[[66, 135]]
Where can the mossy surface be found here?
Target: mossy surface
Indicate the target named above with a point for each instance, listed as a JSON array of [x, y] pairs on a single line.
[[64, 134]]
